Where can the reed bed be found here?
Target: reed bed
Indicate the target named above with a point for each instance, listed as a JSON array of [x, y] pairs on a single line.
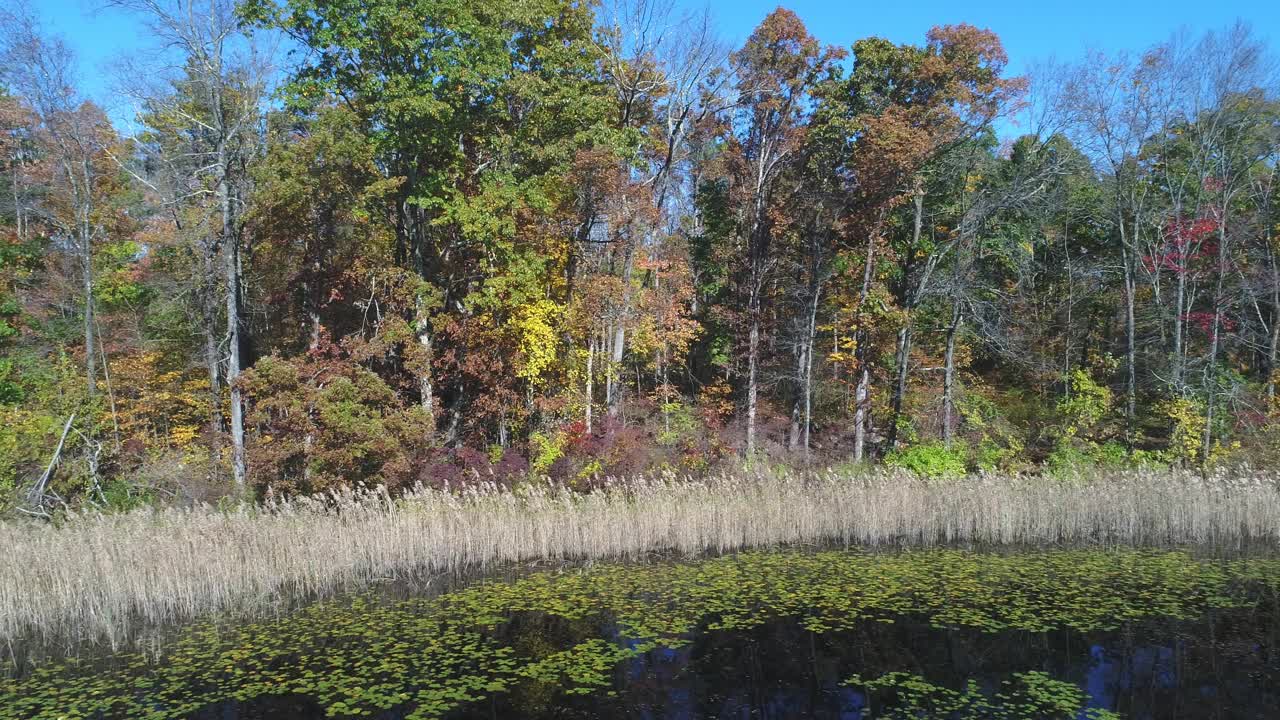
[[96, 576]]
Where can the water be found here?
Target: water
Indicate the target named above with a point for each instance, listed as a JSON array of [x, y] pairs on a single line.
[[848, 635]]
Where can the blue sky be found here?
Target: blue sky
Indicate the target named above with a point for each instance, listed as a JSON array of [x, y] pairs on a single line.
[[1031, 30]]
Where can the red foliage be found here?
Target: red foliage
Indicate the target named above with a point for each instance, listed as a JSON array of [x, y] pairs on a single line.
[[1203, 321], [1186, 241]]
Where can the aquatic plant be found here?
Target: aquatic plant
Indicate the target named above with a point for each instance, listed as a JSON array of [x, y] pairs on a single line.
[[102, 576], [1025, 695], [428, 656]]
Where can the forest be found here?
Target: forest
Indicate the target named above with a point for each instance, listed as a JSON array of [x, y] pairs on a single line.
[[343, 243]]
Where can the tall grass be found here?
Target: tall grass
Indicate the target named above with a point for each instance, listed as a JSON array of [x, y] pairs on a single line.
[[97, 576]]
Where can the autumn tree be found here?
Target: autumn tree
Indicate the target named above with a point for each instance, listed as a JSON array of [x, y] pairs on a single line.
[[215, 106], [775, 72], [74, 136]]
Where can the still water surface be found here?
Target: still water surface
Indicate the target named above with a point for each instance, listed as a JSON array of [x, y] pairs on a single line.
[[791, 634]]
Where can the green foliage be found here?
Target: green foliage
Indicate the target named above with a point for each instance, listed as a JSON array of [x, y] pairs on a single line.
[[933, 460], [1085, 406], [1068, 458], [118, 285], [999, 444], [1082, 458], [48, 390], [990, 457], [544, 450], [680, 423]]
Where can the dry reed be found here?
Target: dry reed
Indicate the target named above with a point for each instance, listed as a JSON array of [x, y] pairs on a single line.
[[97, 576]]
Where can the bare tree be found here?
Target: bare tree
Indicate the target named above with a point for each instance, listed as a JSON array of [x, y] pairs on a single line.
[[227, 78]]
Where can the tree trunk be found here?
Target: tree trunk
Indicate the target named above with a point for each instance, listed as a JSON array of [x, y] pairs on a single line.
[[660, 363], [860, 413], [808, 374], [1273, 350], [753, 352], [426, 386], [106, 379], [35, 496], [802, 389], [1131, 348], [1273, 347], [606, 347], [619, 342], [1071, 308], [209, 311], [231, 259], [862, 394], [590, 392], [1211, 379], [313, 318], [85, 229], [949, 375], [793, 432], [809, 339], [90, 351], [757, 242], [902, 358], [19, 218], [1178, 354]]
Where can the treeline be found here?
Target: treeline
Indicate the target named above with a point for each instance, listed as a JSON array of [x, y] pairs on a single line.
[[446, 240]]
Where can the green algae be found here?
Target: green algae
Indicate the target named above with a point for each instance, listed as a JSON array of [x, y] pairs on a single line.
[[430, 656]]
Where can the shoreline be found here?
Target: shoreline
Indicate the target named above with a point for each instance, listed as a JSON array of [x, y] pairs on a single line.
[[98, 577]]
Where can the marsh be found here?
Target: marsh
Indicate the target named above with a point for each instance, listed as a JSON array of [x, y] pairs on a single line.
[[800, 633]]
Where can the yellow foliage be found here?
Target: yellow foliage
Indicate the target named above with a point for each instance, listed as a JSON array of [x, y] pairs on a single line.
[[1188, 420], [535, 330], [158, 405], [180, 436]]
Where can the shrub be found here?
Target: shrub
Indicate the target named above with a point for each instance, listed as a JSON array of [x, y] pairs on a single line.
[[1066, 459], [989, 457], [930, 460], [544, 451], [1112, 454], [1085, 407], [322, 421], [996, 425], [1073, 456], [464, 466], [1186, 416]]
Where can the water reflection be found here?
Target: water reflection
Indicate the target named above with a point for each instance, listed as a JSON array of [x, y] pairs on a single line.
[[1153, 670]]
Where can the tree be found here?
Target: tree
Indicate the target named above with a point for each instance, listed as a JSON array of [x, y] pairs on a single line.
[[775, 71], [219, 100], [74, 135]]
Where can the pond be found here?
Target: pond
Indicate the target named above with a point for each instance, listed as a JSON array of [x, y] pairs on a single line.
[[786, 634]]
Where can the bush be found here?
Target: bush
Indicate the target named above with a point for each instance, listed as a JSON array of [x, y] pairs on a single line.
[[1067, 459], [1077, 457], [1112, 454], [996, 425], [989, 456], [933, 460], [1085, 408], [323, 421]]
